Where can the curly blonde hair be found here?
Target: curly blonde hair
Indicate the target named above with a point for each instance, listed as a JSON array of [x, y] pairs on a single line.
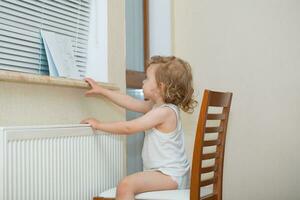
[[176, 76]]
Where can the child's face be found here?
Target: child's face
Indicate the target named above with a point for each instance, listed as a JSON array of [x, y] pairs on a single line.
[[150, 87]]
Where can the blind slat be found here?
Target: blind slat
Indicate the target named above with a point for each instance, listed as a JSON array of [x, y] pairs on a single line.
[[33, 22], [22, 64], [49, 7], [36, 61], [26, 52], [26, 70], [19, 42], [20, 34], [17, 52], [19, 47], [84, 4], [37, 22]]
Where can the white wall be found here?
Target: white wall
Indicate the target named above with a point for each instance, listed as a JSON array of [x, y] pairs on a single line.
[[160, 27], [253, 49], [97, 63]]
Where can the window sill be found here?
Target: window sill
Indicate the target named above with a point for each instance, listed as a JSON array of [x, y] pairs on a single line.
[[18, 77]]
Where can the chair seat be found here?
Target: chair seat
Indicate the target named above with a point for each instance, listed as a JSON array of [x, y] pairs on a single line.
[[161, 195]]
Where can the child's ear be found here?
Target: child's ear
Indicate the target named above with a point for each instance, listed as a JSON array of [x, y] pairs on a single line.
[[161, 86]]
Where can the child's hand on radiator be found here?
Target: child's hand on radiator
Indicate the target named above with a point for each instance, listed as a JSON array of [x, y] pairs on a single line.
[[93, 122]]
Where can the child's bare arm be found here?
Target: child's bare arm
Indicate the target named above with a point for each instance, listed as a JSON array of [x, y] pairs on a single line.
[[151, 119], [122, 100]]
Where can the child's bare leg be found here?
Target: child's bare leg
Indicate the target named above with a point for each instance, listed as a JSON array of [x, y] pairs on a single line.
[[143, 182]]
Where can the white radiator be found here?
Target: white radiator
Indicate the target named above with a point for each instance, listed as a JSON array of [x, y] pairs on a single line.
[[58, 162]]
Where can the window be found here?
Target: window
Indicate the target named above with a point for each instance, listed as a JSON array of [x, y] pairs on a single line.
[[137, 45], [154, 35], [21, 47]]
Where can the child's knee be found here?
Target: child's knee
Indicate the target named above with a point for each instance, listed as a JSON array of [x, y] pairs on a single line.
[[124, 188]]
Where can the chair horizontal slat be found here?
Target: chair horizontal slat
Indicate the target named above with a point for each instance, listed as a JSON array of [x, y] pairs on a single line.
[[209, 169], [209, 197], [208, 182], [208, 156], [219, 99], [211, 142], [216, 129], [215, 116]]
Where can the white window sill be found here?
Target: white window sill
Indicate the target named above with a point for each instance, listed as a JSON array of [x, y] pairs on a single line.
[[18, 77]]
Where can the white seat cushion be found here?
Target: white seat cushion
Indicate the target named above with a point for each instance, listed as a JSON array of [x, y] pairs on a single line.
[[161, 195]]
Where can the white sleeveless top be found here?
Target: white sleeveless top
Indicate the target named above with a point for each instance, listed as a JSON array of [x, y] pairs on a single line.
[[165, 152]]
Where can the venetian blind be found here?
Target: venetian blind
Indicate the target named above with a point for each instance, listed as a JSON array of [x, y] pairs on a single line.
[[21, 22]]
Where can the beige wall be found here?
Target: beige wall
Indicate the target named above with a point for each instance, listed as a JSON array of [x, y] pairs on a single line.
[[253, 49], [116, 43], [29, 104]]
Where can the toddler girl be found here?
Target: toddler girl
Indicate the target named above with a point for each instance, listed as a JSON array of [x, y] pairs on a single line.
[[167, 87]]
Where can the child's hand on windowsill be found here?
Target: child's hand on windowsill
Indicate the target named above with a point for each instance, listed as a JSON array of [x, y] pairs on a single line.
[[93, 122], [95, 88]]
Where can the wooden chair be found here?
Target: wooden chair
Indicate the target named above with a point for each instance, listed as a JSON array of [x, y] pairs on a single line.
[[200, 189]]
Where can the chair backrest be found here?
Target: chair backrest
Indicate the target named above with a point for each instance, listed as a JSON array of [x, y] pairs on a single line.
[[220, 102]]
